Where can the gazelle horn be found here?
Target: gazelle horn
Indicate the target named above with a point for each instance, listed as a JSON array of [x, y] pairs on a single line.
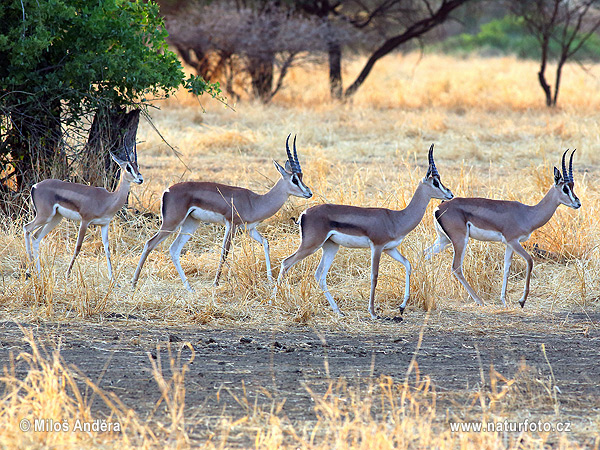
[[565, 174], [298, 168], [571, 166], [432, 169]]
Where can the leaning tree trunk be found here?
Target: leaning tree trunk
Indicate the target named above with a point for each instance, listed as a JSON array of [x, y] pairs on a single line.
[[561, 63], [113, 130]]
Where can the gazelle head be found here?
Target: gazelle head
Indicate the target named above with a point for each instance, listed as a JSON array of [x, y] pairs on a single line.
[[129, 167], [292, 173], [564, 184], [433, 183]]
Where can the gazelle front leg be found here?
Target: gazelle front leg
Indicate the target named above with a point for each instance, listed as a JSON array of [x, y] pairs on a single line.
[[254, 234], [104, 233], [375, 259], [507, 261], [229, 232], [82, 230], [394, 253], [516, 246]]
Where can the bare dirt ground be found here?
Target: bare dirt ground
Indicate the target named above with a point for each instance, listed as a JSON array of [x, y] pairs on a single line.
[[273, 366]]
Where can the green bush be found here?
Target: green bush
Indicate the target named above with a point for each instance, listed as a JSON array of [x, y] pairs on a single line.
[[510, 36]]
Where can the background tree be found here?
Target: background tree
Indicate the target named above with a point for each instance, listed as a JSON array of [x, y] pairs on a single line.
[[385, 25], [250, 43], [220, 39], [67, 64], [569, 23]]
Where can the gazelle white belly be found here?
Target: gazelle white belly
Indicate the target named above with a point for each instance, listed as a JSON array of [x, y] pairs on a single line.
[[393, 244], [68, 213], [206, 215], [484, 235], [349, 240]]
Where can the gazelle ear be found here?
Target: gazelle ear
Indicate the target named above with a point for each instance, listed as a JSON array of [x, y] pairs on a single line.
[[557, 176], [281, 170], [116, 159], [288, 167]]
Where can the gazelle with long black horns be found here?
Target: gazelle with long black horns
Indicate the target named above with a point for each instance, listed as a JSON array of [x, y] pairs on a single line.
[[509, 222], [382, 230], [186, 205], [54, 199]]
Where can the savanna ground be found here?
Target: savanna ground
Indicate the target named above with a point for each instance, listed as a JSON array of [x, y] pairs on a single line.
[[224, 368]]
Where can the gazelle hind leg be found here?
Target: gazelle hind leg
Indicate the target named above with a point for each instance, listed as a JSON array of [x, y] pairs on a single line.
[[441, 243], [39, 234], [189, 226], [303, 251], [80, 236], [227, 238], [165, 231], [329, 251], [518, 248], [254, 234], [507, 261], [460, 245]]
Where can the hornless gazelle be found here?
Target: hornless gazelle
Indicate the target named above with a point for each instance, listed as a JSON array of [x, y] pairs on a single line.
[[329, 226], [185, 205], [496, 220], [54, 199]]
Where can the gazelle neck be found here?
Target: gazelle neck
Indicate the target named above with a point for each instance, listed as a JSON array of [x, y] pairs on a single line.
[[415, 210], [120, 194], [544, 210], [272, 201]]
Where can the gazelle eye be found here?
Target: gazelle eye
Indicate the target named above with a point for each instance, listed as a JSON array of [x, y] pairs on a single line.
[[565, 189], [435, 183], [129, 169], [295, 180]]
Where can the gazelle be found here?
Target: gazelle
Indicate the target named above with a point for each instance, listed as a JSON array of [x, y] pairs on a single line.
[[509, 222], [382, 230], [54, 199], [185, 205]]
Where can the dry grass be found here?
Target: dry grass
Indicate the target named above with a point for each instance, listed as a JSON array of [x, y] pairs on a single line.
[[493, 138]]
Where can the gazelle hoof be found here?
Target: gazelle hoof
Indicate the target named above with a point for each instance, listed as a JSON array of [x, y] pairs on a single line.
[[402, 308], [391, 319], [522, 303]]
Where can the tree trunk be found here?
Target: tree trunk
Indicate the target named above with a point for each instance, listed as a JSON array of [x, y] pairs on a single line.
[[542, 73], [415, 30], [113, 130], [261, 72], [34, 141], [561, 63], [335, 70]]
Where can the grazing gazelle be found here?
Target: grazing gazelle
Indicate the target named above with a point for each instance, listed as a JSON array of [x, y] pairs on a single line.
[[54, 199], [185, 205], [329, 226], [497, 220]]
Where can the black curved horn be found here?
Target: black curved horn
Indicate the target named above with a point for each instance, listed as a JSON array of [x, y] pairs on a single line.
[[571, 166], [564, 167], [289, 153], [432, 167], [296, 162]]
